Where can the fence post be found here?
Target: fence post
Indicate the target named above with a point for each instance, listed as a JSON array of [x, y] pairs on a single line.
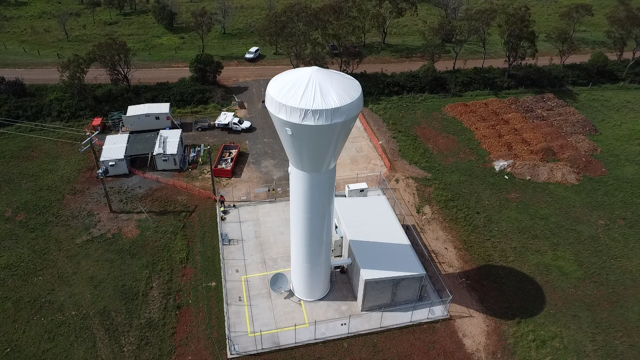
[[315, 328], [381, 316], [261, 342], [349, 324], [295, 333]]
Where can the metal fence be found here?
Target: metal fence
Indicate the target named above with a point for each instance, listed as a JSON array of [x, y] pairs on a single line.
[[387, 318], [432, 305]]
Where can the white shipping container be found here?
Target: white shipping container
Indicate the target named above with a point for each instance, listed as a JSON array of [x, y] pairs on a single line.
[[147, 117]]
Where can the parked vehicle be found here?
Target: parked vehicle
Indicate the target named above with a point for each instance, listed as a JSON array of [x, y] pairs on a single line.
[[226, 120], [252, 54]]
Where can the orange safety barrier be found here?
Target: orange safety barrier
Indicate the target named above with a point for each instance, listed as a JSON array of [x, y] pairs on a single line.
[[176, 184], [376, 142]]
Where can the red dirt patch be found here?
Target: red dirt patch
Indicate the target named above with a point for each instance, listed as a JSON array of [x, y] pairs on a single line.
[[444, 144], [187, 274], [186, 331], [535, 132], [130, 231], [20, 217], [7, 213]]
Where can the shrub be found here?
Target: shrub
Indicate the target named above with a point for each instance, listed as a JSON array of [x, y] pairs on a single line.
[[163, 14], [205, 69], [598, 60], [15, 87]]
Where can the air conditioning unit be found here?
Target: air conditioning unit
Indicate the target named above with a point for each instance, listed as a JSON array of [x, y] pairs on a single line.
[[356, 190]]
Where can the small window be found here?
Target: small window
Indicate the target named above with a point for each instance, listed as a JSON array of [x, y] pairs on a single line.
[[175, 162], [165, 158], [157, 117], [112, 163]]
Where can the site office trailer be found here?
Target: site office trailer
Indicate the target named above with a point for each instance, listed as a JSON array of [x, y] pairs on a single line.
[[147, 117]]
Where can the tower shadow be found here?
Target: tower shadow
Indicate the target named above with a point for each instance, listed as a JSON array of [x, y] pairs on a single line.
[[498, 291]]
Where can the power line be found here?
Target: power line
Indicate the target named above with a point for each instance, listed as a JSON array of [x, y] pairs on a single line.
[[42, 124], [41, 137], [42, 128]]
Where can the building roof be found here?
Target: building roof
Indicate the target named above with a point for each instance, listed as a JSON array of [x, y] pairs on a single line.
[[114, 147], [155, 108], [376, 237], [167, 142], [141, 143]]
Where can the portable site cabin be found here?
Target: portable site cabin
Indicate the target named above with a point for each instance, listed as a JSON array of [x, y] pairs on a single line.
[[147, 117], [385, 270], [169, 150], [113, 156]]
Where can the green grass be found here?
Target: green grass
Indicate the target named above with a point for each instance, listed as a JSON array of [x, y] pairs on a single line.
[[65, 294], [32, 36], [578, 242]]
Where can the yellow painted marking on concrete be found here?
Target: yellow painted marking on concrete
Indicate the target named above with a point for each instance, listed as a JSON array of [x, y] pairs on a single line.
[[246, 308], [305, 313], [265, 273]]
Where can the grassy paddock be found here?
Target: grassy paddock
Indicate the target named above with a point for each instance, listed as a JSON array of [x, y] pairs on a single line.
[[579, 242], [65, 294], [33, 38]]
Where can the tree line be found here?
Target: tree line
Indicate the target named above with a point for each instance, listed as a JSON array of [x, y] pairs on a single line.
[[333, 31]]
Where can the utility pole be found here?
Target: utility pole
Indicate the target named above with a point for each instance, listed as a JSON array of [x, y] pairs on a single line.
[[97, 163], [213, 178]]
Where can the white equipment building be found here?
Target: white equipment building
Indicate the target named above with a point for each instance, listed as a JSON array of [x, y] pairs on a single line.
[[313, 111], [169, 150], [147, 117], [385, 270], [113, 154]]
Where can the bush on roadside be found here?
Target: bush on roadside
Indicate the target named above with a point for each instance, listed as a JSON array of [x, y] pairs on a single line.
[[54, 102], [205, 69], [428, 80]]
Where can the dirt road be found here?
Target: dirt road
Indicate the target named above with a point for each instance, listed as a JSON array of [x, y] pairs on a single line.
[[233, 74]]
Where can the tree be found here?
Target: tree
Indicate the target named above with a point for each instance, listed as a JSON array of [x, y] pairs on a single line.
[[433, 47], [363, 17], [115, 57], [271, 27], [562, 37], [92, 5], [73, 72], [224, 12], [110, 4], [483, 17], [449, 9], [455, 32], [205, 69], [386, 11], [164, 14], [63, 18], [624, 26], [202, 24], [515, 28], [299, 37]]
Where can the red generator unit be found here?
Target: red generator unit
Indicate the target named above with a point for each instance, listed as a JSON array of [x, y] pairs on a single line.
[[97, 124], [226, 160]]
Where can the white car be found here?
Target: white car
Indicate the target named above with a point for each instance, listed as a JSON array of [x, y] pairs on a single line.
[[252, 54]]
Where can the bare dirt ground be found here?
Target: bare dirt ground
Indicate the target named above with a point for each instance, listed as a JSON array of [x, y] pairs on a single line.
[[542, 134], [480, 334]]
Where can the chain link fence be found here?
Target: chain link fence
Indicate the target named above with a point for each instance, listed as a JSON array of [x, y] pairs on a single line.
[[432, 305]]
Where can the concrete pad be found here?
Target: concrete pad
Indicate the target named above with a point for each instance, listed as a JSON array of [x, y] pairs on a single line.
[[359, 155], [260, 320]]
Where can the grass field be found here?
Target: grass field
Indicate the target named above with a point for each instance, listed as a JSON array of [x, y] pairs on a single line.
[[578, 242], [31, 36], [68, 293]]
